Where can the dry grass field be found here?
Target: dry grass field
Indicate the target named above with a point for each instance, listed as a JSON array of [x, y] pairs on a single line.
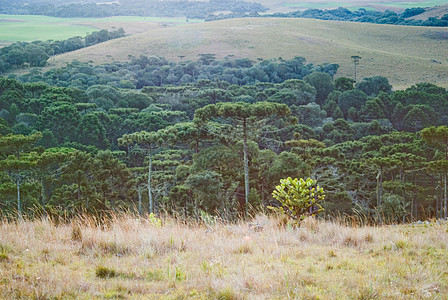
[[404, 54], [130, 258]]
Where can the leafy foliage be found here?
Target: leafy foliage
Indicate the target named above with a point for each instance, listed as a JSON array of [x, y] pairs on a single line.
[[299, 198]]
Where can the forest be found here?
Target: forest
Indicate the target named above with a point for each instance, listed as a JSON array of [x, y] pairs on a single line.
[[216, 136]]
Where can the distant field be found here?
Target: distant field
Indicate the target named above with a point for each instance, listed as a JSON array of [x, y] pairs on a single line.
[[31, 28], [404, 54]]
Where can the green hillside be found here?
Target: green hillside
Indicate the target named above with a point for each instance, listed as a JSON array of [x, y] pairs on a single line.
[[403, 54]]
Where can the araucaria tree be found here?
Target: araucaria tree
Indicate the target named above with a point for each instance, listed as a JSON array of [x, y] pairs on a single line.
[[438, 138], [299, 198], [242, 116], [149, 141]]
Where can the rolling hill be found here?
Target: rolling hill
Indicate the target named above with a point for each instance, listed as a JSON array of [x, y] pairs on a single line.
[[434, 12], [404, 54]]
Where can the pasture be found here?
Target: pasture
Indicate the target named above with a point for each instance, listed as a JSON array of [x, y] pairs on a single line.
[[15, 28], [128, 257]]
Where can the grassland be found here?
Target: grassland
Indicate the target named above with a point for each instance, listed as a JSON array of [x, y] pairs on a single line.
[[436, 11], [289, 5], [32, 28], [404, 54], [131, 258]]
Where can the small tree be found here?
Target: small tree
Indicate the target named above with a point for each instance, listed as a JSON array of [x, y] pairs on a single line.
[[299, 198]]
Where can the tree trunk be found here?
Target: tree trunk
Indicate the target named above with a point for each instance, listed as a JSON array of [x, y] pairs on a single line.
[[151, 201], [381, 187], [42, 191], [79, 191], [43, 195], [19, 207], [139, 200], [445, 197], [437, 206], [416, 197], [246, 170]]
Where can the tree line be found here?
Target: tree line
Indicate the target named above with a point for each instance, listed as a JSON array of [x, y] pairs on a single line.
[[220, 148], [343, 14], [98, 9], [36, 54]]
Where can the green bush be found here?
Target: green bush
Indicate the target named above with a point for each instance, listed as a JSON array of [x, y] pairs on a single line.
[[104, 272], [299, 198]]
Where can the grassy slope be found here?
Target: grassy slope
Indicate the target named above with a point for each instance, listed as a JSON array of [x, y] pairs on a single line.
[[437, 12], [406, 55], [321, 260]]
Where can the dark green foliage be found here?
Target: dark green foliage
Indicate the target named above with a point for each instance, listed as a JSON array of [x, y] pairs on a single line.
[[344, 84], [322, 82], [182, 149], [157, 71], [372, 86], [352, 98], [36, 54]]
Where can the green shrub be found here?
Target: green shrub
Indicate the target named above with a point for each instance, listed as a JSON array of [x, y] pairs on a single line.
[[299, 198], [104, 272]]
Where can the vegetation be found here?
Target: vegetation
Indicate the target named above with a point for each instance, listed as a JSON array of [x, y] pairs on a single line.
[[27, 28], [36, 54], [360, 15], [157, 71], [65, 149], [278, 38], [136, 179], [127, 257], [299, 198], [93, 8]]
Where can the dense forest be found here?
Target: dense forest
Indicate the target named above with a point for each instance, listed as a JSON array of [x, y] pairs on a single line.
[[95, 9], [84, 138], [157, 71], [36, 54], [344, 14]]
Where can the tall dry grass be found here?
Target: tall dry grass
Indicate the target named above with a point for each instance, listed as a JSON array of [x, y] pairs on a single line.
[[128, 257]]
